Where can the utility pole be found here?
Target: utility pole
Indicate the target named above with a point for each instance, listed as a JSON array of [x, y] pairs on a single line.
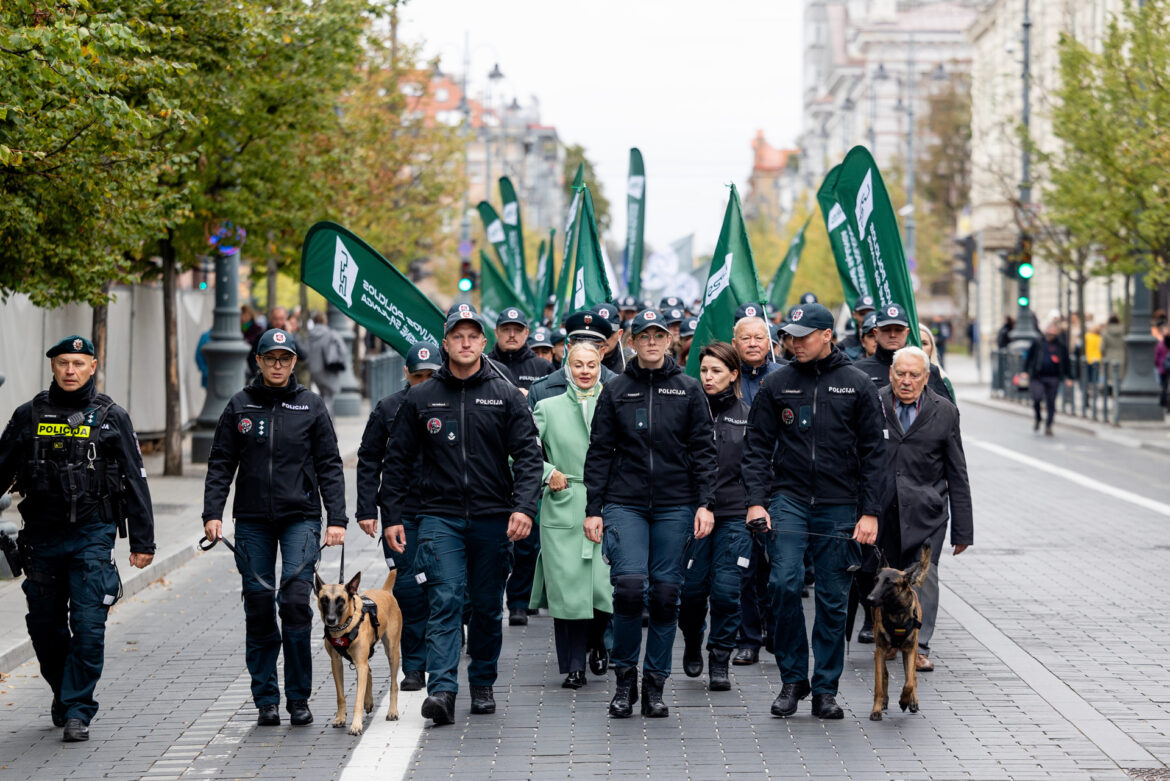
[[1025, 331], [910, 227]]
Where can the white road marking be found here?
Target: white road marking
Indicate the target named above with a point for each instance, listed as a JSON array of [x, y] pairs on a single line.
[[385, 749]]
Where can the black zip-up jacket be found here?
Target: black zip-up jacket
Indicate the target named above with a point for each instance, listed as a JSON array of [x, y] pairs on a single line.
[[815, 434], [1047, 359], [652, 441], [372, 453], [280, 446], [731, 417], [462, 432], [524, 366], [115, 441], [877, 368]]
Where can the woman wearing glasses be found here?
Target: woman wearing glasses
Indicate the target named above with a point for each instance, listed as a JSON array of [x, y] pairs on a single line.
[[276, 439], [650, 483]]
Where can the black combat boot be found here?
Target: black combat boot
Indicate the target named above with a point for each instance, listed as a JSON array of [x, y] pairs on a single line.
[[76, 731], [298, 713], [269, 716], [439, 708], [717, 660], [413, 681], [652, 705], [790, 695], [693, 655], [483, 700], [625, 693]]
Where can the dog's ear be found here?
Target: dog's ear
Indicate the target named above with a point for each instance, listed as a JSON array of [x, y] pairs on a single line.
[[921, 568], [317, 584], [352, 586], [909, 575]]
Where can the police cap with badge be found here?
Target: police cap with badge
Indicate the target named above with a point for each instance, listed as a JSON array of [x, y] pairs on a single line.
[[647, 319], [468, 315], [687, 327], [868, 324], [670, 302], [803, 320], [610, 313], [587, 324], [457, 308], [892, 314], [71, 345], [674, 315], [540, 337], [512, 315], [750, 309], [422, 356], [276, 339], [863, 304]]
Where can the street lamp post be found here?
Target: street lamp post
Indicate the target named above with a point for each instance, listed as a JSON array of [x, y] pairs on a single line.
[[348, 402], [1024, 332], [911, 224], [495, 75]]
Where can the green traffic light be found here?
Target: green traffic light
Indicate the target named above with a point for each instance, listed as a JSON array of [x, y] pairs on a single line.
[[202, 285], [465, 285], [1026, 271], [1022, 300]]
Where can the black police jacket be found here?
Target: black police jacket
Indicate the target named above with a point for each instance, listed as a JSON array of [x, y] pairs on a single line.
[[815, 435], [523, 366], [652, 441], [115, 443], [463, 432], [731, 417], [372, 453], [280, 446], [877, 368]]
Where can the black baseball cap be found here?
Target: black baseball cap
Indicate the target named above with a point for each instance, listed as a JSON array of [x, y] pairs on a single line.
[[540, 337], [750, 309], [276, 339], [610, 313], [72, 345], [627, 303], [647, 318], [687, 327], [674, 315], [670, 302], [588, 324], [774, 330], [559, 335], [512, 315], [863, 304], [892, 314], [808, 298], [423, 355], [463, 316], [869, 323], [459, 308], [803, 320]]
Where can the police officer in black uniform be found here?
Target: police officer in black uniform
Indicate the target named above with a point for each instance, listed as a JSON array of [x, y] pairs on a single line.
[[513, 354], [892, 329], [75, 459], [464, 424], [613, 359], [422, 361], [851, 344], [276, 438]]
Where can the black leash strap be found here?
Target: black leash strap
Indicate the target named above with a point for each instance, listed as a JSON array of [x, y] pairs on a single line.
[[877, 551], [206, 545], [341, 574]]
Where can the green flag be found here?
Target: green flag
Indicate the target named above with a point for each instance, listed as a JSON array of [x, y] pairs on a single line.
[[514, 233], [591, 281], [777, 292], [545, 279], [863, 197], [572, 226], [731, 283], [843, 240], [635, 223], [364, 285], [496, 292], [497, 236]]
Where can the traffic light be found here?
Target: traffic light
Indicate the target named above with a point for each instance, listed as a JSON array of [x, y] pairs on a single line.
[[466, 277], [1024, 270]]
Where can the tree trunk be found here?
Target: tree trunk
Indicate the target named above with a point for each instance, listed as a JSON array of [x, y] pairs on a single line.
[[303, 302], [173, 439], [101, 318], [272, 269]]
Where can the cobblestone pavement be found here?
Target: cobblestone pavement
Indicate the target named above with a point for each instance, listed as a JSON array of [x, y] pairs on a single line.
[[1050, 652]]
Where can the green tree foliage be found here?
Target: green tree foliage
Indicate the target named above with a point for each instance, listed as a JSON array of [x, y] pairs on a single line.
[[1113, 107], [574, 156], [85, 109]]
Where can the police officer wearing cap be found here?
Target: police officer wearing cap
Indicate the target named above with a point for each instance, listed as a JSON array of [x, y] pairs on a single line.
[[670, 302], [686, 335], [74, 457], [815, 454], [614, 359], [275, 438], [559, 337], [851, 344], [868, 337], [650, 484], [463, 425], [585, 325], [627, 308], [892, 329], [540, 342], [512, 353], [422, 360]]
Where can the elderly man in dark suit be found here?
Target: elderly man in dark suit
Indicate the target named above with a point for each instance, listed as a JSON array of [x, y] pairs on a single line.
[[927, 470]]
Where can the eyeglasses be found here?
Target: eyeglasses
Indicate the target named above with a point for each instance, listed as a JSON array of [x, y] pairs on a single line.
[[653, 335], [272, 360]]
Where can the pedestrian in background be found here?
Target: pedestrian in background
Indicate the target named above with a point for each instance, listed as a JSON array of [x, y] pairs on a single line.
[[650, 474], [1162, 362], [1093, 353], [1045, 364], [715, 566], [422, 361], [926, 481], [571, 578], [1003, 337], [1113, 344], [326, 360], [74, 457], [275, 439]]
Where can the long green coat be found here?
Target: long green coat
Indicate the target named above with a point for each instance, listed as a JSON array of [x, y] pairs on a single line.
[[571, 579]]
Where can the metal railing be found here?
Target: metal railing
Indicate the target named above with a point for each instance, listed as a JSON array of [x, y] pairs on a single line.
[[1093, 395], [384, 375]]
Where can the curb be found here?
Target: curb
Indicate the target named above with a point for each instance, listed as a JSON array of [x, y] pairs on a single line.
[[1101, 431]]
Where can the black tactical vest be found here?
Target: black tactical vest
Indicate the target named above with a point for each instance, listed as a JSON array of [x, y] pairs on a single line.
[[65, 464]]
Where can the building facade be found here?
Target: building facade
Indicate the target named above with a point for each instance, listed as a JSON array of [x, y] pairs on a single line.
[[774, 183]]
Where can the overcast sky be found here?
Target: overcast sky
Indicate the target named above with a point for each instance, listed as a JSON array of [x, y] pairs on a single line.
[[687, 82]]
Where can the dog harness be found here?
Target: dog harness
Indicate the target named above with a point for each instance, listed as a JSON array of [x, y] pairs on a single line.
[[341, 643], [900, 631]]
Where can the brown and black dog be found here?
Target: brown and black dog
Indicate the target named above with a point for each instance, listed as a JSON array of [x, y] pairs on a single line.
[[897, 615], [353, 624]]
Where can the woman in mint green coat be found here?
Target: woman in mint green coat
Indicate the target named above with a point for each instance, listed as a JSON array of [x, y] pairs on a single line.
[[571, 580]]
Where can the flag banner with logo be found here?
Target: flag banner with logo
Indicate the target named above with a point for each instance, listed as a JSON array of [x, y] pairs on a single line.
[[363, 284], [863, 197], [591, 278], [572, 228], [846, 248], [546, 282], [777, 292], [514, 233], [496, 293], [497, 236], [731, 283], [635, 223]]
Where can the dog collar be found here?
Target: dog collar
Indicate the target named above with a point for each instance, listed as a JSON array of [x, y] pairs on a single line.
[[342, 642]]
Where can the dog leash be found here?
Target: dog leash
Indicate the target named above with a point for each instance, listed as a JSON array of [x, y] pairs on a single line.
[[877, 551], [205, 544]]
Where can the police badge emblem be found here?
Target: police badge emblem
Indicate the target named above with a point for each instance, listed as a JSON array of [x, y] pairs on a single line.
[[245, 426], [434, 425], [788, 416]]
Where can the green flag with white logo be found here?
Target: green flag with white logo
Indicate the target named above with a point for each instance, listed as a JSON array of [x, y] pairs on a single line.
[[496, 292], [545, 278], [497, 236], [572, 227], [777, 292], [591, 280], [363, 284], [517, 271], [635, 222], [843, 239], [863, 197], [731, 282]]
